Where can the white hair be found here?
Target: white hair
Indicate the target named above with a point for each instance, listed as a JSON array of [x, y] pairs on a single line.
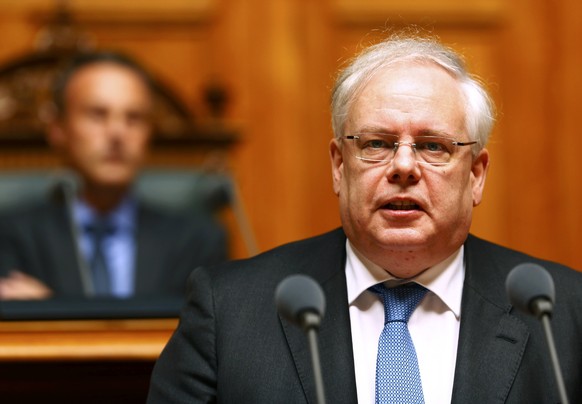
[[479, 113]]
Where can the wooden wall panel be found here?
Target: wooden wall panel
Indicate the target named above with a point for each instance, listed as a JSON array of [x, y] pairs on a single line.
[[539, 104], [281, 104], [566, 135]]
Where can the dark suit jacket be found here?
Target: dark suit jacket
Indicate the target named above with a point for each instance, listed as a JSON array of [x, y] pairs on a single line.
[[232, 347], [39, 240]]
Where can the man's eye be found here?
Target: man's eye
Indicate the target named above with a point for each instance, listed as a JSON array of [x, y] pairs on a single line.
[[96, 114], [137, 118], [377, 144], [432, 147]]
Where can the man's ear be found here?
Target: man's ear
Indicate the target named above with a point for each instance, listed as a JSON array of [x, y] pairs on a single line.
[[337, 164], [479, 174]]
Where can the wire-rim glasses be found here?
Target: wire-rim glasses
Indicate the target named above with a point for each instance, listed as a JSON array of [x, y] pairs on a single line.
[[382, 147]]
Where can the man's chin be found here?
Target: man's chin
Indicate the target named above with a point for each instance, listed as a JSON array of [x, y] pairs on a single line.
[[113, 181], [402, 239]]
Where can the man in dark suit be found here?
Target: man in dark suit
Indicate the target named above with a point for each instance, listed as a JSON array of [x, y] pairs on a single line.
[[96, 238], [409, 164]]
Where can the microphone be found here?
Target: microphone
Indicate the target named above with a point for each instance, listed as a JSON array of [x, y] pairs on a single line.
[[530, 288], [300, 300]]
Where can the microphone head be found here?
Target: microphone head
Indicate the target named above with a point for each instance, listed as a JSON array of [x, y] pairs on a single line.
[[300, 300], [530, 288]]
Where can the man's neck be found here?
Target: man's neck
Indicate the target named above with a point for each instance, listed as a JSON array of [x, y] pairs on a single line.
[[104, 199]]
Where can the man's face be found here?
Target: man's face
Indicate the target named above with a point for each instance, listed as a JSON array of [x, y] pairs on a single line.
[[403, 215], [105, 127]]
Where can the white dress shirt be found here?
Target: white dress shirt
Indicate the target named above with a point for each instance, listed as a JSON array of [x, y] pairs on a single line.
[[433, 326]]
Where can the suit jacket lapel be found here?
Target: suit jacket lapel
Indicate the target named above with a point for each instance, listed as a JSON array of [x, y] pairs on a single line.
[[335, 341], [67, 263], [149, 254], [491, 341]]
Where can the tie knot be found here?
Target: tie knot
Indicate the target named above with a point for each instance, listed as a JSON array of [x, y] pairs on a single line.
[[400, 301], [99, 228]]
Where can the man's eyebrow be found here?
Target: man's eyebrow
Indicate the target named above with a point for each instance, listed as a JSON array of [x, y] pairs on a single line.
[[384, 130], [375, 129], [434, 132]]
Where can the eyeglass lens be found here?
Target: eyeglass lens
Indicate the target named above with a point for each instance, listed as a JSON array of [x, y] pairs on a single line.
[[382, 148]]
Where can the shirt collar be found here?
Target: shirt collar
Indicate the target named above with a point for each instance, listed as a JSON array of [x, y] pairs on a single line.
[[122, 217], [445, 279]]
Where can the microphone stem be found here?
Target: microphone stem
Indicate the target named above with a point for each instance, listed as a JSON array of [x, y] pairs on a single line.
[[312, 337], [554, 358]]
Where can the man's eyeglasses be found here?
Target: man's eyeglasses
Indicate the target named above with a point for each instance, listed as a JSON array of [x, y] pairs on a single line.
[[382, 147]]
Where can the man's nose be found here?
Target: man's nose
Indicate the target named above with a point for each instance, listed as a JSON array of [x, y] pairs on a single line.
[[116, 126], [404, 166]]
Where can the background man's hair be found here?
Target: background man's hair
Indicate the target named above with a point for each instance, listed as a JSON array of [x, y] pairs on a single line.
[[82, 60]]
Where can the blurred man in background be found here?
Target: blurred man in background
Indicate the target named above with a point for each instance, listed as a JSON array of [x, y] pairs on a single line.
[[97, 239]]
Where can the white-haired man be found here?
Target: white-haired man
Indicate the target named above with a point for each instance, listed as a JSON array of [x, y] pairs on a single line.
[[409, 164]]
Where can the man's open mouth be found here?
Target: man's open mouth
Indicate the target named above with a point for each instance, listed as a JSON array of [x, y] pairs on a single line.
[[402, 205]]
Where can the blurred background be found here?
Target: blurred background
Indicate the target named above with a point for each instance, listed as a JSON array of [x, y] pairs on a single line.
[[254, 77]]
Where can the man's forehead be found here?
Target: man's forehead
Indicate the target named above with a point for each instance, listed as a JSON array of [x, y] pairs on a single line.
[[406, 93], [108, 83], [411, 78]]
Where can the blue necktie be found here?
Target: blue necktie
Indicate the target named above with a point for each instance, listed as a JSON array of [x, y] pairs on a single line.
[[397, 374], [98, 263]]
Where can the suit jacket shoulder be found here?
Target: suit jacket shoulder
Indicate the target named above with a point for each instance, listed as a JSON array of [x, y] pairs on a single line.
[[502, 354], [231, 345], [295, 257]]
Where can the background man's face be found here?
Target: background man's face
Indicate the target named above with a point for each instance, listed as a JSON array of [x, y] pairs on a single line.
[[403, 215], [105, 127]]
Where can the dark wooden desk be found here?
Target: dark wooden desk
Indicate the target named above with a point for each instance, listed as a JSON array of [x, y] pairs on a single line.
[[85, 361]]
